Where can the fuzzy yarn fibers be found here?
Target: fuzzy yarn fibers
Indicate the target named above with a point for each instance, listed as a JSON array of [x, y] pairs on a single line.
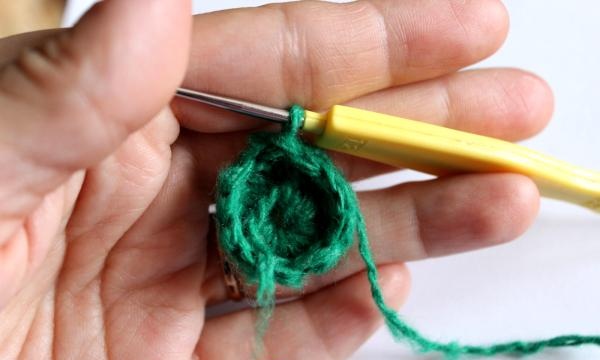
[[285, 212]]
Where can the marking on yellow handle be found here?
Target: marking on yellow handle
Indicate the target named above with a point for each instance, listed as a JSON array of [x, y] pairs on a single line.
[[441, 151]]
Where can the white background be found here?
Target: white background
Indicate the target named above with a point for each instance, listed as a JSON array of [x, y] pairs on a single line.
[[547, 282]]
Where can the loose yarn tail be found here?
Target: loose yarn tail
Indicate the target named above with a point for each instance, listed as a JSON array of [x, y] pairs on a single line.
[[285, 212], [401, 331]]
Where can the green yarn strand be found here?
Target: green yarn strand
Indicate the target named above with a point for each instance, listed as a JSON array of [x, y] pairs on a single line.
[[285, 212], [403, 332]]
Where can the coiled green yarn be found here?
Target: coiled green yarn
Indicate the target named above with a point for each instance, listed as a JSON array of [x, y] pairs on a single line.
[[285, 216], [285, 212]]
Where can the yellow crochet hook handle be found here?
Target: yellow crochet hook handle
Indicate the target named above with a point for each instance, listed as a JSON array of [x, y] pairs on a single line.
[[441, 151], [428, 148]]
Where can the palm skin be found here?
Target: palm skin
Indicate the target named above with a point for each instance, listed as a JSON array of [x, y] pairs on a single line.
[[105, 185]]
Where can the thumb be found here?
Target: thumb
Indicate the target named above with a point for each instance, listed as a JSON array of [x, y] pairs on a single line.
[[73, 99]]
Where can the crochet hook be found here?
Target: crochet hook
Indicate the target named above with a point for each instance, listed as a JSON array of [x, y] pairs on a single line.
[[428, 148]]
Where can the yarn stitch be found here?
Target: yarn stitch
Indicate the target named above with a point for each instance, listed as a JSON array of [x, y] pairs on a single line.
[[285, 212]]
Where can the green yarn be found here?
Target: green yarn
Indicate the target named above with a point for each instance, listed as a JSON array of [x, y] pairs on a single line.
[[285, 212]]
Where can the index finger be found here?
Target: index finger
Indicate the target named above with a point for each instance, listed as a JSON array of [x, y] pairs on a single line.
[[318, 54]]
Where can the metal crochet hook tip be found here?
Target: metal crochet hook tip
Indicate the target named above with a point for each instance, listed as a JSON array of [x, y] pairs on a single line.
[[239, 106]]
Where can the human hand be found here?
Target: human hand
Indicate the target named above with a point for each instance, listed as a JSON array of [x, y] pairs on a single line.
[[114, 261]]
